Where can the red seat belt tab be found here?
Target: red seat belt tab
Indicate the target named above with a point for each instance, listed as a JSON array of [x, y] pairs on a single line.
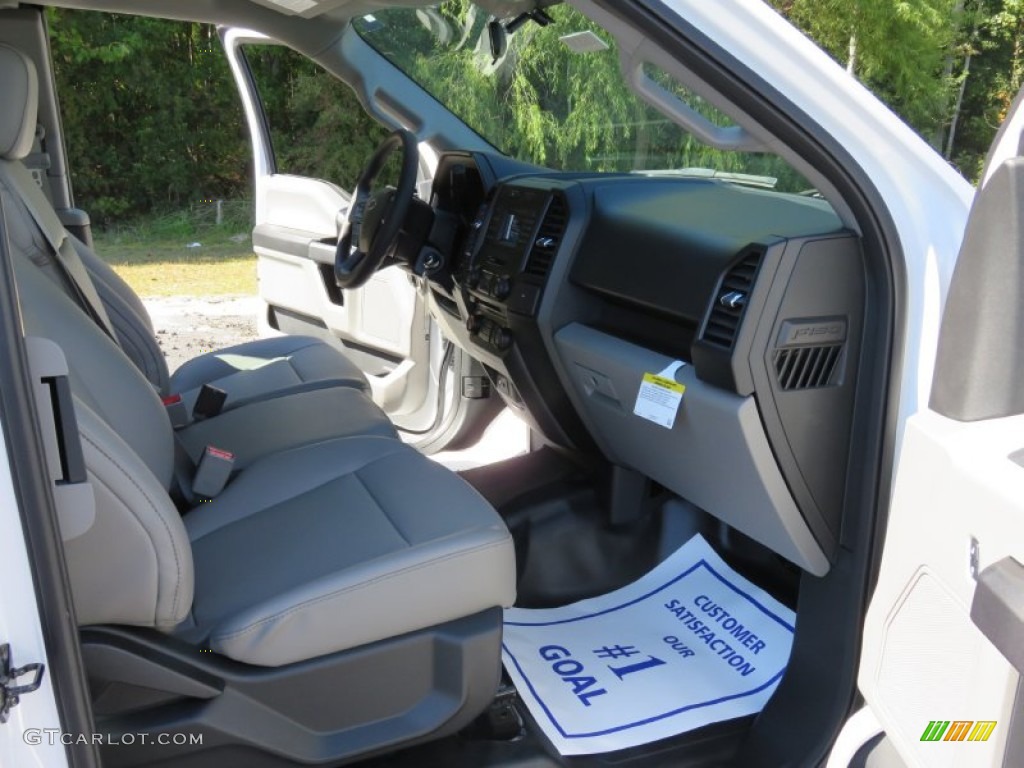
[[213, 472], [176, 411]]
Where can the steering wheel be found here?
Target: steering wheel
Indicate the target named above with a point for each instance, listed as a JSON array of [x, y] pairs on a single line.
[[375, 218]]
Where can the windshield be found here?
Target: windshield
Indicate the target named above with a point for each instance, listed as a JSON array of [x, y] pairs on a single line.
[[553, 94]]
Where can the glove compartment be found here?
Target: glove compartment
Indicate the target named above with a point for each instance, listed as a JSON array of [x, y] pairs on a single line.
[[716, 454]]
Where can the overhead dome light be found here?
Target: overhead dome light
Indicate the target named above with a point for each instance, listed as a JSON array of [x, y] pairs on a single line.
[[584, 42], [295, 6]]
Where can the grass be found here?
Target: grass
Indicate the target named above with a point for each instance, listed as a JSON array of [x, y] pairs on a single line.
[[153, 256]]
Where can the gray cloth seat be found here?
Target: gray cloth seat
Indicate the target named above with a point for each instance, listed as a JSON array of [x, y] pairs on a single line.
[[308, 552], [283, 365], [333, 545], [262, 368], [253, 431], [279, 365], [321, 549], [303, 386]]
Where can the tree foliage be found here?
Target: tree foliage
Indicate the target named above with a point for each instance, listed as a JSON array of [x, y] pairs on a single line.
[[148, 120], [544, 103], [897, 47], [317, 127], [153, 122], [950, 68]]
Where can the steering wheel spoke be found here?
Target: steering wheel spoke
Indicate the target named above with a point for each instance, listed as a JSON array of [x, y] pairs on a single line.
[[375, 219]]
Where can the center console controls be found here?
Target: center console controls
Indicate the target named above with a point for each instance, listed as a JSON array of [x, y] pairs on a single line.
[[514, 247]]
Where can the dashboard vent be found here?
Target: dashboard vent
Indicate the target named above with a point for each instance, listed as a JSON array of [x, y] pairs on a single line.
[[549, 237], [807, 367], [731, 301]]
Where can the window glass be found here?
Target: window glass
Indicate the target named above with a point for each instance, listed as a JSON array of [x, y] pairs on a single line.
[[552, 95], [318, 128]]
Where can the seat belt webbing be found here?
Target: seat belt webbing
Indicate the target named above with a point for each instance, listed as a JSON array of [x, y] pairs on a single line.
[[64, 253]]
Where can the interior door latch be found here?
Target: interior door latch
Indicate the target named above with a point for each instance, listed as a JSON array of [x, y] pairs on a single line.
[[9, 693]]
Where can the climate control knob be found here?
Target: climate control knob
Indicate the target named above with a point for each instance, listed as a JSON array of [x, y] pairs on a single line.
[[474, 323], [502, 288], [503, 338]]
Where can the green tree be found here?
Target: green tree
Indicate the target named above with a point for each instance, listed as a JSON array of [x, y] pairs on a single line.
[[992, 74], [317, 126], [896, 47], [546, 104], [152, 121], [150, 118]]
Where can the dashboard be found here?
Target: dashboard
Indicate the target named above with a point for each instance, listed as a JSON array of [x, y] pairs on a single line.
[[573, 290]]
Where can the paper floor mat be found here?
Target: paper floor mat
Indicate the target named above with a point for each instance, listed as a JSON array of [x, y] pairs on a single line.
[[689, 644]]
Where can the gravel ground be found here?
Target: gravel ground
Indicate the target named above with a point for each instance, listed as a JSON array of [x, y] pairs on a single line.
[[187, 326]]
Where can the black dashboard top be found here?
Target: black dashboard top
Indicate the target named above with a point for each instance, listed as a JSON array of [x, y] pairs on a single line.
[[662, 243], [658, 243]]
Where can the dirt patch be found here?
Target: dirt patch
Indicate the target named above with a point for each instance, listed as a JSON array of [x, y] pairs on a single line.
[[187, 326]]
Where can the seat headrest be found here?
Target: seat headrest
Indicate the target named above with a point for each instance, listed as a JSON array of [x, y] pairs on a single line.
[[20, 86]]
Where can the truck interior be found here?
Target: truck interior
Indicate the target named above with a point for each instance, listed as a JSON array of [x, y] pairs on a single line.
[[340, 600]]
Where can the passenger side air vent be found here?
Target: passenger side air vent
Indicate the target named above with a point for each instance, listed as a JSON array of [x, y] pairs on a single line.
[[549, 237], [731, 300], [808, 353], [807, 367]]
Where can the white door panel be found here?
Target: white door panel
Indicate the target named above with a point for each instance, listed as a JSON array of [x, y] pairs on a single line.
[[931, 670], [385, 311], [31, 735], [384, 327], [923, 659], [298, 221], [379, 315], [311, 206]]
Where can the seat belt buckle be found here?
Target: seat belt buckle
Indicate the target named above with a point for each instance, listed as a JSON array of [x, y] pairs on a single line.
[[176, 411], [209, 403], [213, 472]]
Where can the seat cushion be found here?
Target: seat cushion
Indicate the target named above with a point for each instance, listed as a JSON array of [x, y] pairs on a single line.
[[268, 426], [267, 367], [339, 544]]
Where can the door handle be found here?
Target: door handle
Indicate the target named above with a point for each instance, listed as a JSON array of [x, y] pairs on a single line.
[[998, 608]]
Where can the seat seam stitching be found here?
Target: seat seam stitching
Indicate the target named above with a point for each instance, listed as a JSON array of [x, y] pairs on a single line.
[[298, 374], [380, 506], [300, 494], [146, 496], [336, 593], [149, 536]]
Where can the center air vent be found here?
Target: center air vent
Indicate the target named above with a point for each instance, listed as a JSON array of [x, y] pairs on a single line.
[[731, 300], [549, 237]]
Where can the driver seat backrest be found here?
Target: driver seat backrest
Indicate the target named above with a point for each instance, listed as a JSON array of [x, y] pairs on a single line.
[[256, 369]]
